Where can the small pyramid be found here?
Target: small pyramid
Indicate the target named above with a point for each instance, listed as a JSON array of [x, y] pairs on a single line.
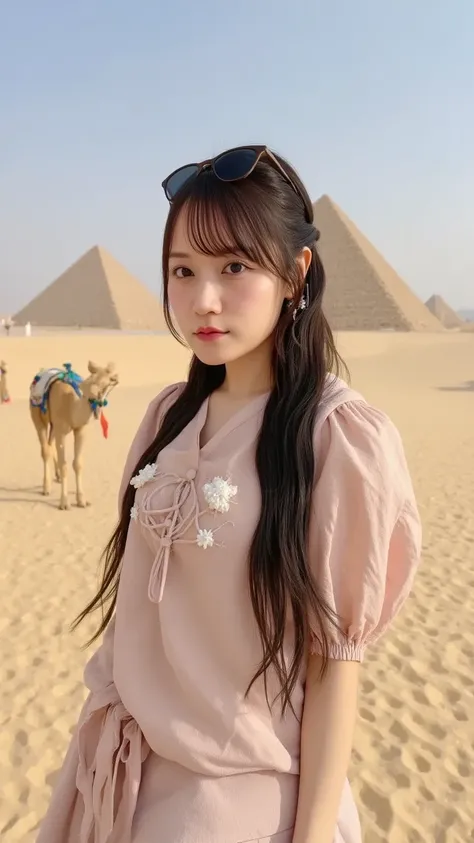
[[95, 292], [448, 317], [363, 292]]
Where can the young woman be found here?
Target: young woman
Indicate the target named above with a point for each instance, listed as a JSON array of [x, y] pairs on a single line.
[[268, 533]]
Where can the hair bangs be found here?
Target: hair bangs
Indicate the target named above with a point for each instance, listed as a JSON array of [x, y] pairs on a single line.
[[222, 219]]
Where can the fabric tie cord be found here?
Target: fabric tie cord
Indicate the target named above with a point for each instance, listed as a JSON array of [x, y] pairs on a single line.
[[112, 750], [170, 524]]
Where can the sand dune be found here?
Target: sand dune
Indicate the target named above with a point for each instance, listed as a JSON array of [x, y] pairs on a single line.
[[413, 764]]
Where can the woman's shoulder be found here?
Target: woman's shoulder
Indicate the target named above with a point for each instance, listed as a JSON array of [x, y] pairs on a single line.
[[336, 393], [157, 409], [350, 430], [165, 398], [149, 427], [341, 403]]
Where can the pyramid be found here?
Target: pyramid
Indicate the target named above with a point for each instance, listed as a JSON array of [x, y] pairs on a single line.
[[363, 292], [448, 317], [95, 292]]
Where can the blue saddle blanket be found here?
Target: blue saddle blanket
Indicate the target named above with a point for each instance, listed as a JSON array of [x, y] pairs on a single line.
[[43, 381]]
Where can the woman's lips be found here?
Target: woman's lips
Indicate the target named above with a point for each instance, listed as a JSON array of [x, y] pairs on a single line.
[[210, 334]]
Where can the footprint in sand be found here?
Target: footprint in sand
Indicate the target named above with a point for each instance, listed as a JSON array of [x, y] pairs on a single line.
[[394, 702], [453, 696], [460, 715], [456, 786], [430, 749], [402, 781], [426, 794], [399, 732], [457, 768], [403, 648], [415, 762], [378, 805], [420, 697], [21, 738], [367, 715], [10, 824], [390, 753]]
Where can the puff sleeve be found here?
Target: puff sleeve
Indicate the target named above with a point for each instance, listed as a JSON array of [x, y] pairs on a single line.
[[365, 532]]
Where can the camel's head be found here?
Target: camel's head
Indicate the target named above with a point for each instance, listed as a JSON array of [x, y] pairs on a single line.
[[98, 385]]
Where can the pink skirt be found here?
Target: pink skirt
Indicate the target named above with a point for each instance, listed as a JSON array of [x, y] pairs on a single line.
[[176, 805]]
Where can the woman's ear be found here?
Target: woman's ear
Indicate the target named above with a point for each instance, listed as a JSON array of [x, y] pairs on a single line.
[[304, 261]]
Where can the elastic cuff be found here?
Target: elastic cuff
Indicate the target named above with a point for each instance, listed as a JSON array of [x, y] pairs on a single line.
[[348, 652]]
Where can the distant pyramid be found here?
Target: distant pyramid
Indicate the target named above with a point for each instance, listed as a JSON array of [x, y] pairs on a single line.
[[448, 317], [95, 292], [363, 292]]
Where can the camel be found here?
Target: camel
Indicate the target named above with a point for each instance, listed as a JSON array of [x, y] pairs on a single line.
[[68, 406], [4, 394]]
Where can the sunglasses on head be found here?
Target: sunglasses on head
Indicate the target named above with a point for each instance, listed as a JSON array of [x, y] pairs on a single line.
[[232, 165]]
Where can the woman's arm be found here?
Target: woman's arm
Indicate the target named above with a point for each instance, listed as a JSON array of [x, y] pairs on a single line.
[[326, 741]]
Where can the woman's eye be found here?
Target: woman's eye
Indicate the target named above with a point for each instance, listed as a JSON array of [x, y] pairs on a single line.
[[182, 272], [236, 267]]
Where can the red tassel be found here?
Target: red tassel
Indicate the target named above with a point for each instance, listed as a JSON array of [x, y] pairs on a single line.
[[104, 425]]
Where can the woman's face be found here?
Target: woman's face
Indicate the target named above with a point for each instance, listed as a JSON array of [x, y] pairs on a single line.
[[226, 307]]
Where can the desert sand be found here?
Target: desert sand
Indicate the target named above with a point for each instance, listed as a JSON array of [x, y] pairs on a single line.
[[413, 760]]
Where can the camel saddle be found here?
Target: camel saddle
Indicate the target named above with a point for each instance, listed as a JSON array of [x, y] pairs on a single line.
[[43, 381]]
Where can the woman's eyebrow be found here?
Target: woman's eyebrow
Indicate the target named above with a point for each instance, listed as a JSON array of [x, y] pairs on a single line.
[[186, 256]]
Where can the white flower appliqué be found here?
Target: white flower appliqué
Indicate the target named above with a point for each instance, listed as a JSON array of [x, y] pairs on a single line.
[[218, 494], [144, 476], [205, 539], [134, 512]]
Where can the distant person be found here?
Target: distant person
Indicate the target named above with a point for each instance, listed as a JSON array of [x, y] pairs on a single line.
[[4, 393], [28, 329], [268, 534], [8, 324]]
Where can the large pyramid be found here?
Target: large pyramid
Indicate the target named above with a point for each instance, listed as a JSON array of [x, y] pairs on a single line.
[[363, 292], [448, 317], [95, 292]]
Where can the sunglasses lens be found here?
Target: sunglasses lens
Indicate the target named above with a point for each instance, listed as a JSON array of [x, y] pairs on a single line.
[[235, 165], [177, 180]]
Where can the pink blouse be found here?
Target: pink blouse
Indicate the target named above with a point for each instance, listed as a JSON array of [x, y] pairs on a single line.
[[170, 677]]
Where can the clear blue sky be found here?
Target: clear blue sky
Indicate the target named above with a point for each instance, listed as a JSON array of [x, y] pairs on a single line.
[[371, 100]]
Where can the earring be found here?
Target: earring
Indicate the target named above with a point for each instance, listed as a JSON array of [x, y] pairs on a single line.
[[303, 303]]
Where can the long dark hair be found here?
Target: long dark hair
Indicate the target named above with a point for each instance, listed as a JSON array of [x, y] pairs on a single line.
[[264, 218]]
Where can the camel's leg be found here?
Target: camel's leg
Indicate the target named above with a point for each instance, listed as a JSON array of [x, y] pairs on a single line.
[[60, 440], [41, 427], [54, 456], [77, 465], [46, 457], [57, 473]]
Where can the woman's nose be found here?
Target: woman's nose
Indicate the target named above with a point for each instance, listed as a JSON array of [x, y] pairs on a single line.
[[207, 299]]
